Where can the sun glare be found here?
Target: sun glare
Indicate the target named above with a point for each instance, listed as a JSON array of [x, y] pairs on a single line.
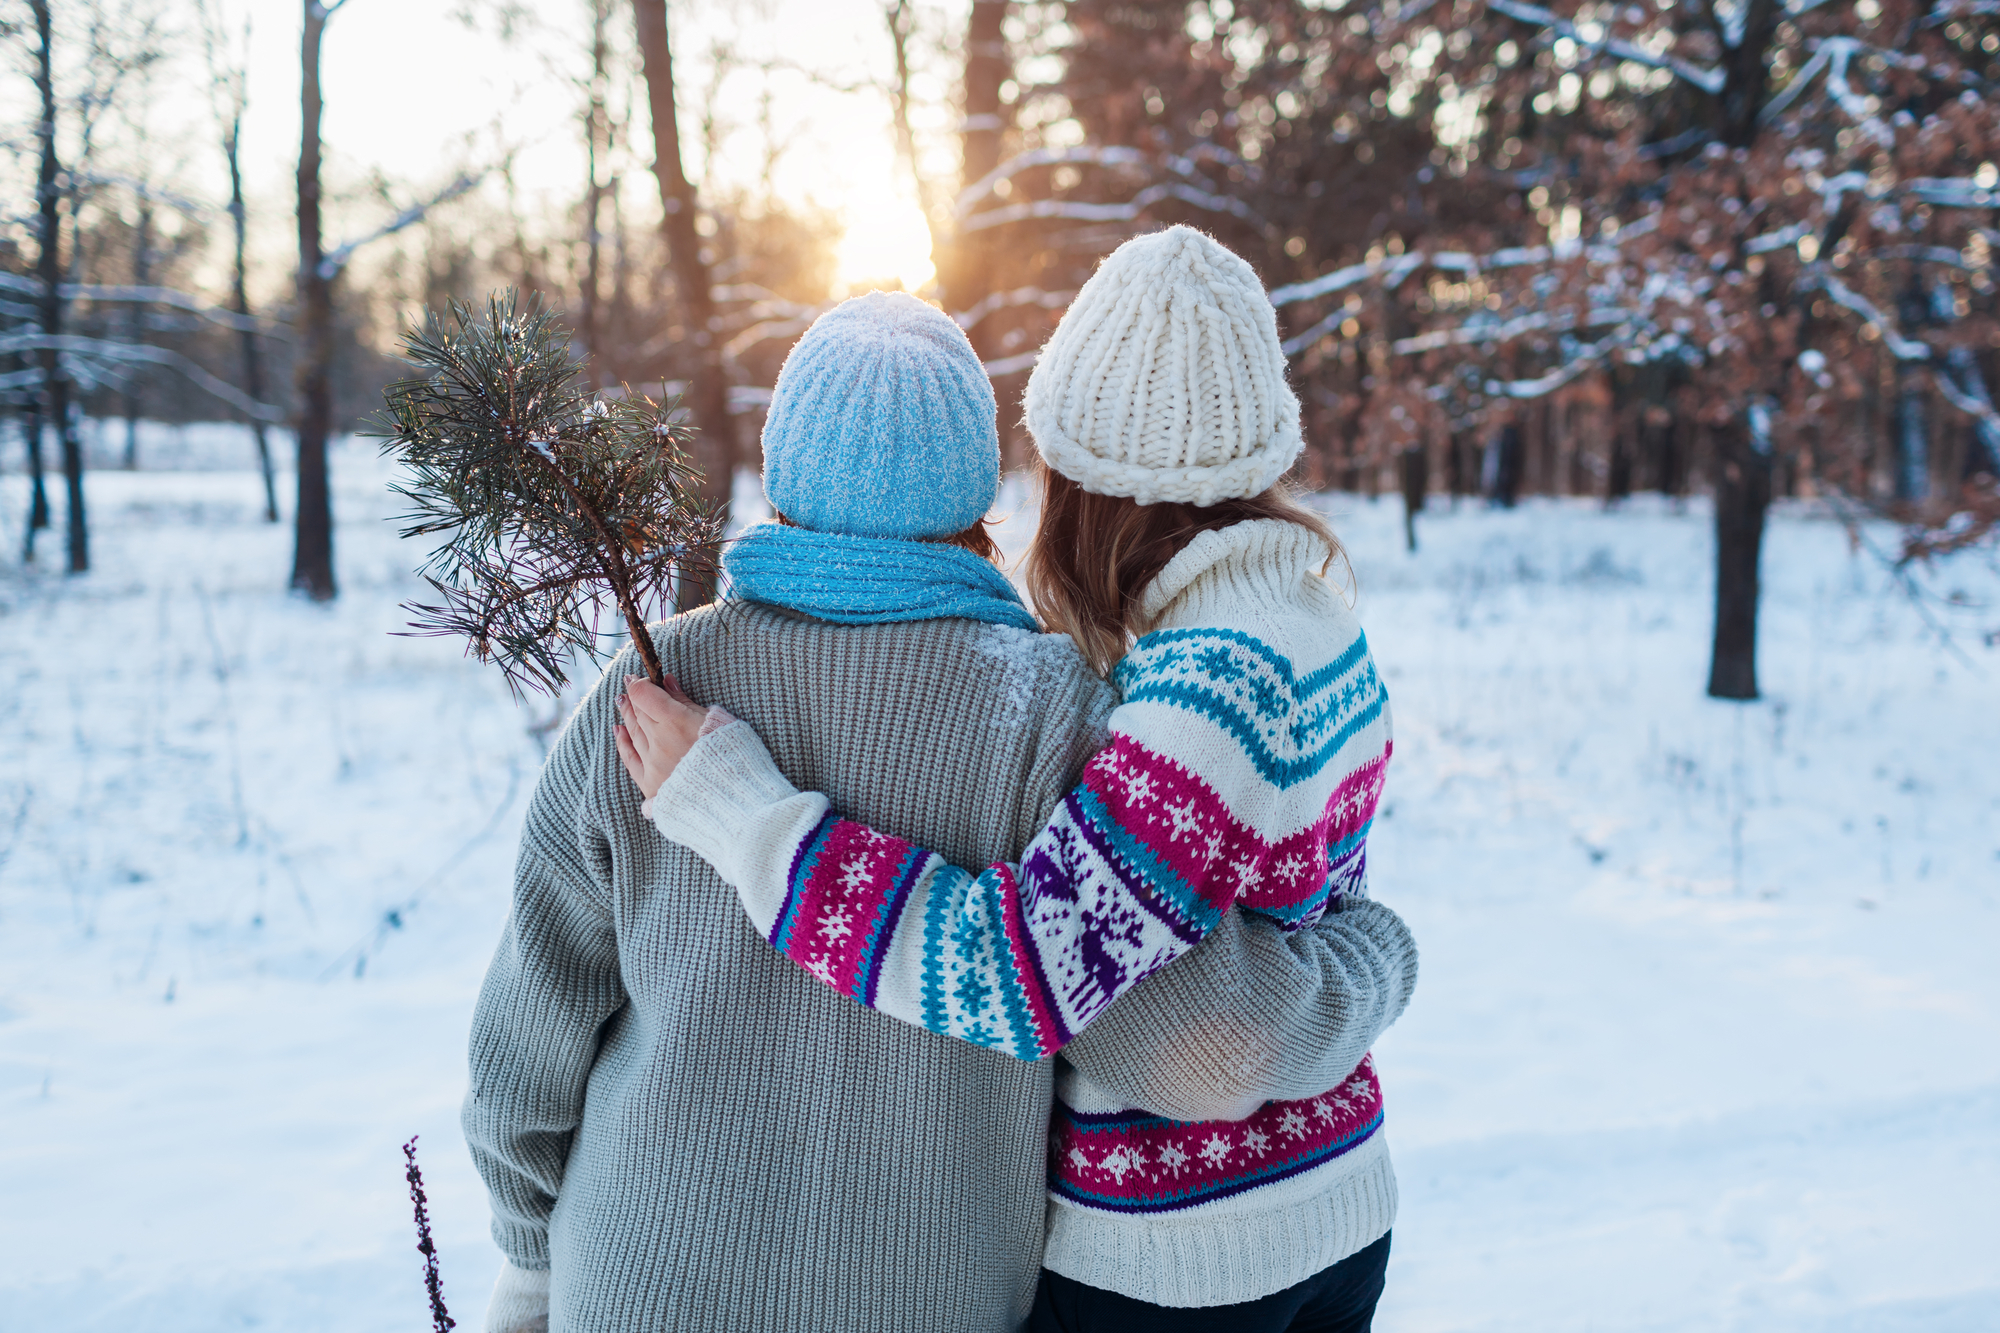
[[886, 243]]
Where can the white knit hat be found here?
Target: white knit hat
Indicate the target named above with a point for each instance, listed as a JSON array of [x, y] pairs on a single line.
[[1165, 381]]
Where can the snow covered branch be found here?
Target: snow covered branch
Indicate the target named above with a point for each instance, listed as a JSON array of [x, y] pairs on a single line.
[[167, 296], [1182, 165], [1541, 385], [1903, 349], [762, 302], [993, 302], [766, 329], [1128, 211], [145, 190], [969, 197], [1953, 192], [1708, 80], [1782, 239], [75, 345], [1482, 330], [1965, 389], [1394, 268], [1009, 365], [336, 258]]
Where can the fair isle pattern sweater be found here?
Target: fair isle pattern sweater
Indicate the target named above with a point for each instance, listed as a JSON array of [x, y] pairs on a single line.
[[1244, 766]]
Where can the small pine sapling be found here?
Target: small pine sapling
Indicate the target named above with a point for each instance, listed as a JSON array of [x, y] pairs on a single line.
[[441, 1320], [553, 499]]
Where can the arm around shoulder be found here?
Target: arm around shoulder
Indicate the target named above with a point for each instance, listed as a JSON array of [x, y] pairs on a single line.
[[1252, 1014]]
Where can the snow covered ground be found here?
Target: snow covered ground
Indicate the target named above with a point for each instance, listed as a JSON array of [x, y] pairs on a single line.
[[1708, 1035]]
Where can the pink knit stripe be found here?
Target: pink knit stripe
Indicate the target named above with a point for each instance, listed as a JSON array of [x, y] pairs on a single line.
[[1133, 1162], [842, 904], [1189, 829], [1352, 806]]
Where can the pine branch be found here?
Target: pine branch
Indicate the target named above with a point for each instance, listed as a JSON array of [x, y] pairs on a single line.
[[550, 499]]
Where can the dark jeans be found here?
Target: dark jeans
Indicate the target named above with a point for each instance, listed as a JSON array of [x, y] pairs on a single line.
[[1340, 1299]]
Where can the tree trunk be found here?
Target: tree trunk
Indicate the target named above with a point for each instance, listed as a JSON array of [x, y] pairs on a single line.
[[1740, 449], [1913, 426], [963, 267], [38, 491], [1747, 74], [593, 199], [901, 17], [1742, 495], [142, 275], [1416, 477], [1913, 436], [312, 558], [1500, 473], [708, 397], [48, 267], [253, 364]]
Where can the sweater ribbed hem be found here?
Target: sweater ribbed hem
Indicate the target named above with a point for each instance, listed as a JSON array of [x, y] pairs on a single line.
[[1204, 1257]]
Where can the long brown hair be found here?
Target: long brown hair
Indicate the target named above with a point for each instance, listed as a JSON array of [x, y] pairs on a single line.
[[1093, 555], [975, 539]]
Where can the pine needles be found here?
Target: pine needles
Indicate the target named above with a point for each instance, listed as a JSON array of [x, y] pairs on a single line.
[[551, 497]]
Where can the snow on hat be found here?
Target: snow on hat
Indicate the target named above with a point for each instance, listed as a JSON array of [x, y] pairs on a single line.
[[882, 424], [1165, 381]]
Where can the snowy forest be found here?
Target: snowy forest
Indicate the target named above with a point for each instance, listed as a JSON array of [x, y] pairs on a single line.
[[1648, 357]]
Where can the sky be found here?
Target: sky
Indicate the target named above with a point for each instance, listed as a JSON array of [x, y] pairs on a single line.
[[417, 92]]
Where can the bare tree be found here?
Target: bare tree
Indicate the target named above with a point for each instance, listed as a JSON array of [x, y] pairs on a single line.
[[38, 490], [312, 558], [902, 20], [142, 262], [229, 80], [596, 130], [714, 448], [963, 264], [49, 268]]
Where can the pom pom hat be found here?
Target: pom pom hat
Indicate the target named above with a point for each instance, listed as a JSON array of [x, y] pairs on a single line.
[[1165, 381], [882, 424]]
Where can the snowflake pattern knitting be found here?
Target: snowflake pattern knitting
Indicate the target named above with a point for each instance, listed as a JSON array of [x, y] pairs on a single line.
[[1135, 1162], [1219, 742]]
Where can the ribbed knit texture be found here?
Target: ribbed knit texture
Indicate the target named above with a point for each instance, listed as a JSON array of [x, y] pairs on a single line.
[[1199, 1258], [882, 424], [694, 1135], [868, 580], [1164, 380]]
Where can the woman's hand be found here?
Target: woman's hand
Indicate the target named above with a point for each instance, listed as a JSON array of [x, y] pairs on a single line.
[[657, 729]]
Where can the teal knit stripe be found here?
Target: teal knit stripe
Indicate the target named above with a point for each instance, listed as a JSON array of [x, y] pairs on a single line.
[[1289, 727]]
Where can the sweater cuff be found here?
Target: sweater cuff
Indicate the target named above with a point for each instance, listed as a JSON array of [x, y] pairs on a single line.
[[722, 802], [520, 1301]]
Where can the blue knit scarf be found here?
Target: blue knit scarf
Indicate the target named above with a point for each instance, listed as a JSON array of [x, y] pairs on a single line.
[[868, 580]]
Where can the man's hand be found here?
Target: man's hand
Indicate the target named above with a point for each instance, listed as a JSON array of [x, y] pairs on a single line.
[[657, 729]]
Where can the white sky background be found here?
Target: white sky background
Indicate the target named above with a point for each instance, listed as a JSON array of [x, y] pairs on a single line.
[[416, 95]]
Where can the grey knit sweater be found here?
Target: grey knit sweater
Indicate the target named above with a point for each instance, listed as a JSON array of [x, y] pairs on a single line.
[[692, 1134]]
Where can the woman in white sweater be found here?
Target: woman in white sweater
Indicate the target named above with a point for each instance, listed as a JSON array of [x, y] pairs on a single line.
[[1242, 769]]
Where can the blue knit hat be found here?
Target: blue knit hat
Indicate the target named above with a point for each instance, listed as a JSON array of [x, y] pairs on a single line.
[[882, 424]]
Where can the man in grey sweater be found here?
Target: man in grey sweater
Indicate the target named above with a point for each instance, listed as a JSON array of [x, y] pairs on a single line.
[[682, 1131]]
